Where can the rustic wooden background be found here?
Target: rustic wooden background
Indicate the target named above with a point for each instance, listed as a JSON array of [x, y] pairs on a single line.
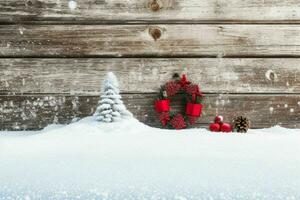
[[245, 54]]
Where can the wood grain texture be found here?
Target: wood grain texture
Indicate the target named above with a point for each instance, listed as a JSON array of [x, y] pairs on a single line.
[[139, 10], [141, 75], [35, 112], [57, 89], [136, 41]]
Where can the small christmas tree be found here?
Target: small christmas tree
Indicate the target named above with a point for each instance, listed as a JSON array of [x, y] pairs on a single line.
[[110, 107]]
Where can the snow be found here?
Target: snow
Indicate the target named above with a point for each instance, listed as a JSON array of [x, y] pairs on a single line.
[[72, 5], [129, 160], [111, 108], [271, 109]]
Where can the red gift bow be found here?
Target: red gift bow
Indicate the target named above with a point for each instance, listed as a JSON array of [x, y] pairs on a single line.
[[194, 96], [184, 81]]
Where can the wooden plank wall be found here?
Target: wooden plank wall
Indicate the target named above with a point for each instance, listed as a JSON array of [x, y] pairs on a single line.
[[244, 54]]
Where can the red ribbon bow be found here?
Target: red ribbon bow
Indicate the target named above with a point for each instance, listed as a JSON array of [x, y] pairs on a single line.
[[184, 81]]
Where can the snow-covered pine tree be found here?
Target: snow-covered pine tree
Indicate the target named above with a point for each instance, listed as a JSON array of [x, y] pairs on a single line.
[[110, 107]]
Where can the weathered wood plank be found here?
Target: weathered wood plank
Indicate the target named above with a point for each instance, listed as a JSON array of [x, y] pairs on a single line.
[[84, 76], [136, 40], [32, 112], [140, 10]]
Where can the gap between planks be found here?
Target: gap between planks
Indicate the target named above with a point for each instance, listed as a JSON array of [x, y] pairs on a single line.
[[153, 22], [8, 94], [162, 56]]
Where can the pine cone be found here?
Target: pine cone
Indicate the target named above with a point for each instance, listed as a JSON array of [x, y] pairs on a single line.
[[164, 118], [241, 124], [172, 88], [178, 122], [192, 89]]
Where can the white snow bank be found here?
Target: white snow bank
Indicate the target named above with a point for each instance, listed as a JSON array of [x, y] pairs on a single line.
[[129, 160]]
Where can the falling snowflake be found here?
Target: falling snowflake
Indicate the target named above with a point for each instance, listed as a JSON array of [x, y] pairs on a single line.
[[72, 5]]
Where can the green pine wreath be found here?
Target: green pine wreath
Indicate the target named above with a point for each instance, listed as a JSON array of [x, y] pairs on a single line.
[[192, 99]]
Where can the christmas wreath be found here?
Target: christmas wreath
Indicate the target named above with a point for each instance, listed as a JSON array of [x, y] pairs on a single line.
[[192, 99]]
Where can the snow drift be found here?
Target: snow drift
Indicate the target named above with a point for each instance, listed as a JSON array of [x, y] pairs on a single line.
[[129, 160]]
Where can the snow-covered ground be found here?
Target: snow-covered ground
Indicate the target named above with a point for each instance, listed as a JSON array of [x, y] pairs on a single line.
[[129, 160]]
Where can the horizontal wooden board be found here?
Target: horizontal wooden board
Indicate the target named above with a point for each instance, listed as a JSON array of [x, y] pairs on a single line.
[[149, 40], [149, 11], [35, 112], [140, 75]]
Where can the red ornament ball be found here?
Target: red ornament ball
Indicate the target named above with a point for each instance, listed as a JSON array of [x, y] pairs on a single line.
[[215, 127], [225, 127], [219, 119]]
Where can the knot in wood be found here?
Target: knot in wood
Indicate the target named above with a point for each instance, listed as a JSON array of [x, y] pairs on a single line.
[[176, 76], [155, 33], [154, 6], [29, 3], [34, 3], [272, 76]]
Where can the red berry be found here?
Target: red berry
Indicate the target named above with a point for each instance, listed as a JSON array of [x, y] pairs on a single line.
[[225, 127], [219, 119], [215, 127]]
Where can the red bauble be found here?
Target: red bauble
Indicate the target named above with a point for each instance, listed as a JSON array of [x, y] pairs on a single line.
[[219, 119], [215, 127], [225, 127]]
